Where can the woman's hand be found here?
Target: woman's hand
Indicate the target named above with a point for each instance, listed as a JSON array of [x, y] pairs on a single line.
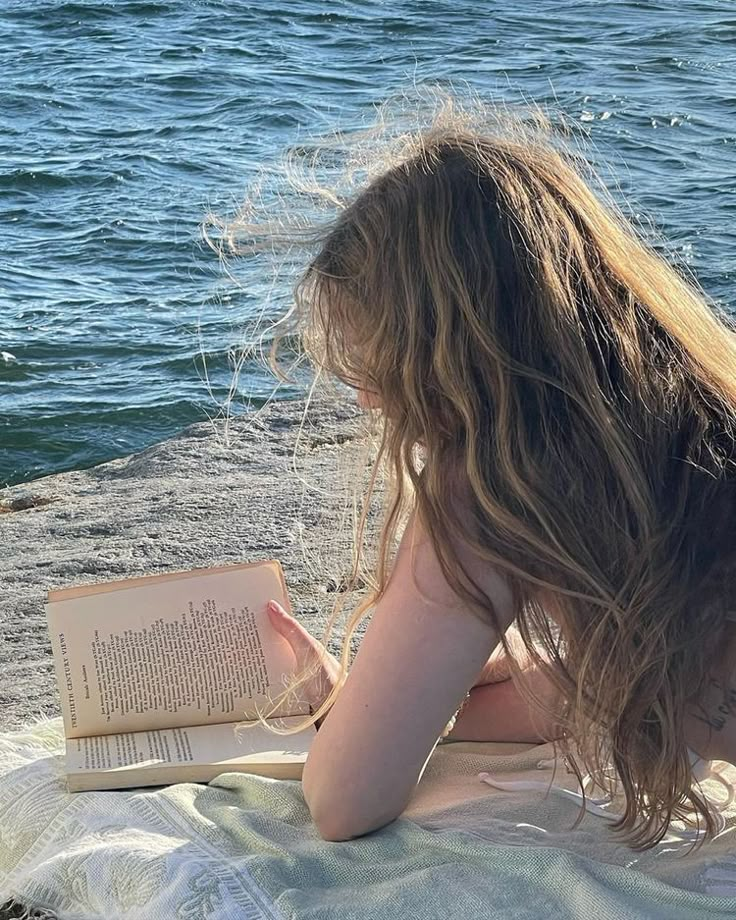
[[496, 709], [497, 668], [309, 654]]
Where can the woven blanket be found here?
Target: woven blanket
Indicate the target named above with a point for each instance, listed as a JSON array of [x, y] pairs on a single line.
[[245, 847]]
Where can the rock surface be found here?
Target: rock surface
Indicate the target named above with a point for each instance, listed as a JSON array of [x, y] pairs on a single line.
[[254, 487]]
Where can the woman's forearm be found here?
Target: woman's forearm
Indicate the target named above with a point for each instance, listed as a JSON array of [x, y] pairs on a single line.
[[498, 712]]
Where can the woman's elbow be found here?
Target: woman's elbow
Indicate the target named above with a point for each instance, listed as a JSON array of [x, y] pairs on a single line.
[[335, 827], [355, 813], [334, 831]]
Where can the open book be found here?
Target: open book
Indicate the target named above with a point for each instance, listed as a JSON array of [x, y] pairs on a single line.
[[162, 677]]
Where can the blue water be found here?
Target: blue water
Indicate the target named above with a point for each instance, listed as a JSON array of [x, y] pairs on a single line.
[[122, 123]]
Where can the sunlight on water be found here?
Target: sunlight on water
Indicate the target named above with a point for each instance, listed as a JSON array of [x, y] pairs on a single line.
[[124, 122]]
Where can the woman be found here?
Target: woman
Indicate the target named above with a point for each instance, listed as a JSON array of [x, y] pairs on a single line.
[[558, 412]]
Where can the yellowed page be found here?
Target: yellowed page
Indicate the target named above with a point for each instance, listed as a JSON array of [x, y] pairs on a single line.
[[168, 653], [189, 754], [103, 587]]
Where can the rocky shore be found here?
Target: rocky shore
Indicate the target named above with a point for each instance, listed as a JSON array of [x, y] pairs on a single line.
[[262, 486]]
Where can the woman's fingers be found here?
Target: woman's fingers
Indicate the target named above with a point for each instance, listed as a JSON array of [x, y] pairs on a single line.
[[286, 624], [309, 653], [304, 645], [498, 668]]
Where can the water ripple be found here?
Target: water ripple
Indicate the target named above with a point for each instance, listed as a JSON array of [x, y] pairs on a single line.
[[124, 121]]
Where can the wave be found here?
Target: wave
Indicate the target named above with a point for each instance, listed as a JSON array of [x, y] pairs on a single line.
[[54, 13], [38, 180]]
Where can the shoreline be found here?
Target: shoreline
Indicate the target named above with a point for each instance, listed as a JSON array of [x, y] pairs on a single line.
[[191, 501]]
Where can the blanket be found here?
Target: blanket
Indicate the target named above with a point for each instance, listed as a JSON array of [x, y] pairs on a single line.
[[245, 847]]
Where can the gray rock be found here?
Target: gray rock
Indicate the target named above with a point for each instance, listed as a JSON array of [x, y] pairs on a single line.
[[266, 485]]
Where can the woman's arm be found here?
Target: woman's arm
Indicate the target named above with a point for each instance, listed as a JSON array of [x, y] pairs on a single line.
[[422, 651], [497, 710]]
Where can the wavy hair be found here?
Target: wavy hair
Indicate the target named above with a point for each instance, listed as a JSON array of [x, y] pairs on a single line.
[[522, 332]]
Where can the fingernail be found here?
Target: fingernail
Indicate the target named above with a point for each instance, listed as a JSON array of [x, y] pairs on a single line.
[[273, 607]]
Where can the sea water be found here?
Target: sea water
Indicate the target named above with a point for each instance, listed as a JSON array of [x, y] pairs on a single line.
[[123, 123]]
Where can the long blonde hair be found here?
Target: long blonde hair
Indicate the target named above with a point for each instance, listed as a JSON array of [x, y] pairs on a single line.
[[519, 328]]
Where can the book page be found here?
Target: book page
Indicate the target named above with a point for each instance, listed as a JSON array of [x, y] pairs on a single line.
[[103, 587], [222, 744], [168, 653]]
